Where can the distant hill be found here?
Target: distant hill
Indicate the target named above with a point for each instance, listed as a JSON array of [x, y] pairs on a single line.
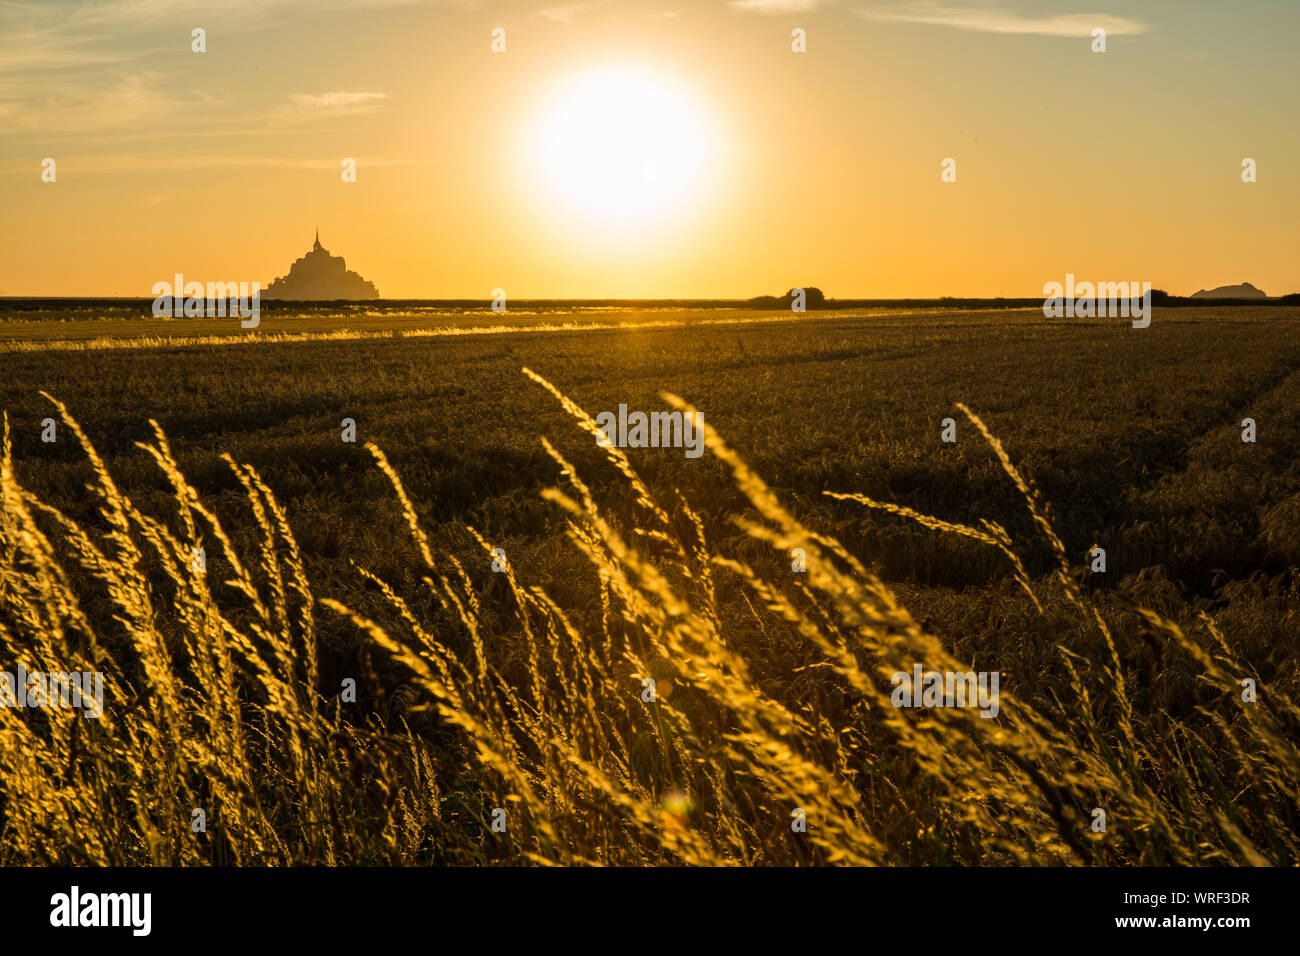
[[319, 275], [1243, 291]]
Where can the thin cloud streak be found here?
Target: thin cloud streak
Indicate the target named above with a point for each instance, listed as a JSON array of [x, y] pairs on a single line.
[[567, 14], [325, 101], [149, 162], [1003, 21], [775, 7]]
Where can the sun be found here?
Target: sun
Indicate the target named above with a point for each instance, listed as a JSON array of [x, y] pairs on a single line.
[[621, 146]]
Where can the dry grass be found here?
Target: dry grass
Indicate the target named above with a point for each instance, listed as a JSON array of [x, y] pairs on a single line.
[[774, 694], [45, 335]]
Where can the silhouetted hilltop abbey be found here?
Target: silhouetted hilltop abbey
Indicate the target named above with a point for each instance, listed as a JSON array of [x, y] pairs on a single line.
[[319, 275], [1243, 291], [814, 298]]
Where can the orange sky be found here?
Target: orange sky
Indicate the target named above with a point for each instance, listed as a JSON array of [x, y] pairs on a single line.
[[774, 169]]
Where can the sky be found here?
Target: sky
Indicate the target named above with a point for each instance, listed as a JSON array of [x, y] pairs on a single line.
[[651, 148]]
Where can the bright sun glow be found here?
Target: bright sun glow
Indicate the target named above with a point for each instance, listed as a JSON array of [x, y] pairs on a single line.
[[621, 147]]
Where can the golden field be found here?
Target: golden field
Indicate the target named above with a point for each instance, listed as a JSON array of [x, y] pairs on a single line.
[[521, 691]]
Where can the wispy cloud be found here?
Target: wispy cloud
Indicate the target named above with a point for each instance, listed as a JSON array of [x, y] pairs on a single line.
[[43, 35], [1001, 20], [94, 66], [567, 14], [309, 107], [775, 6], [98, 14], [327, 101], [152, 162], [132, 101]]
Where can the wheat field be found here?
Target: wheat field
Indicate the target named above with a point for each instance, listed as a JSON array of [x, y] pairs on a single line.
[[503, 720]]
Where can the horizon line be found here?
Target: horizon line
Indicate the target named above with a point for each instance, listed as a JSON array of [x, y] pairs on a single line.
[[6, 297]]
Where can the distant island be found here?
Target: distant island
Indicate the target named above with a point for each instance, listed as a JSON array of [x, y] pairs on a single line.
[[1243, 291], [814, 298], [319, 275]]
